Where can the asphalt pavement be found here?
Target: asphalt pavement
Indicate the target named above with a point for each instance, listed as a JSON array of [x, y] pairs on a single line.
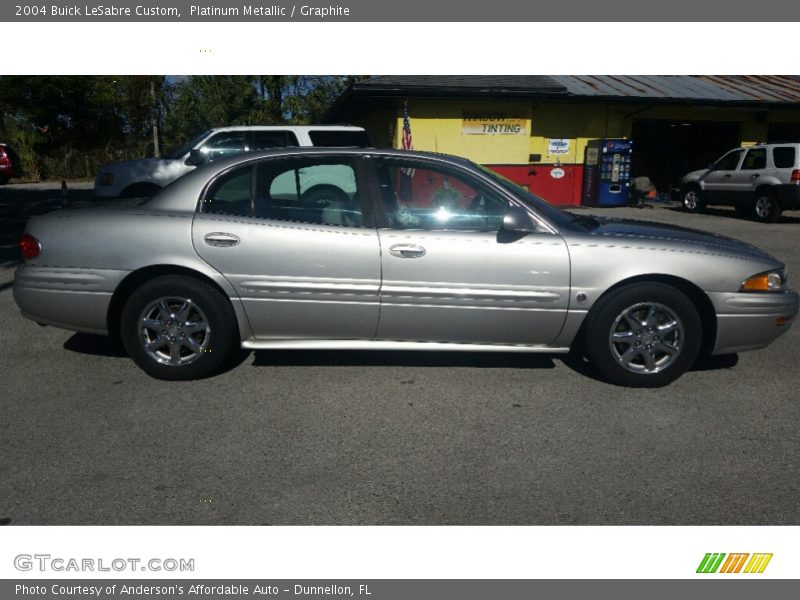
[[380, 438]]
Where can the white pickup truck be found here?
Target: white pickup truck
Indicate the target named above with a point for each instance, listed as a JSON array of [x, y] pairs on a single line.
[[145, 177]]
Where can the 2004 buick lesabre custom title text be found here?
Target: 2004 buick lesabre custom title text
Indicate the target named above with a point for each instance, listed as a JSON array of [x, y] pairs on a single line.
[[388, 249]]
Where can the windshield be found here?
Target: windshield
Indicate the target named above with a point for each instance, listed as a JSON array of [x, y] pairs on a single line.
[[182, 150], [556, 216]]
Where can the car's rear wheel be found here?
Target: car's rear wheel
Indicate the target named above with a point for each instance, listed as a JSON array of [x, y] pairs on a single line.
[[766, 207], [692, 200], [643, 335], [178, 328]]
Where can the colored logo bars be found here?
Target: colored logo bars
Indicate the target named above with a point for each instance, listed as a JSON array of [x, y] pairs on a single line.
[[733, 563]]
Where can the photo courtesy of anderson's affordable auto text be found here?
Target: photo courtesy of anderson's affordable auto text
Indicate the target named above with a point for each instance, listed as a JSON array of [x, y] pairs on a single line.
[[391, 320]]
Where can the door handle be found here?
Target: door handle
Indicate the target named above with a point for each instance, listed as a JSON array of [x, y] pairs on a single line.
[[407, 250], [220, 238], [755, 175], [727, 176]]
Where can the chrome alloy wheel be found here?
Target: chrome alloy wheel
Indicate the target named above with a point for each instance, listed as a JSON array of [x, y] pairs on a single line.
[[646, 337], [691, 200], [174, 331], [763, 207]]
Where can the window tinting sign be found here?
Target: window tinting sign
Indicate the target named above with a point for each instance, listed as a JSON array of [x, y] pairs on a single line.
[[492, 123]]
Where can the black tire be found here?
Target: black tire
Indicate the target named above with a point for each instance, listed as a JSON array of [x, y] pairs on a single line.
[[323, 195], [621, 332], [692, 199], [765, 207], [205, 334]]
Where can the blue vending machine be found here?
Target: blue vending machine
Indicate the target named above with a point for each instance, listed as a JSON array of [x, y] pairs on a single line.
[[607, 173]]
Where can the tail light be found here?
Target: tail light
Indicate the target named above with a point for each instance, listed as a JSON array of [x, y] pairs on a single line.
[[30, 247], [796, 177]]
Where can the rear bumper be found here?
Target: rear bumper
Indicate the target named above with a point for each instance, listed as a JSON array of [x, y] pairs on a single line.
[[10, 171], [73, 299], [789, 196], [752, 321]]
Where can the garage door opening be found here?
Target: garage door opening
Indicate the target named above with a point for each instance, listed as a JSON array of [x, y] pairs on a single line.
[[666, 150]]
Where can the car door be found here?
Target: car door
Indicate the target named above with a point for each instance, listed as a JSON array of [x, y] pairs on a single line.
[[293, 239], [718, 184], [450, 275], [746, 177]]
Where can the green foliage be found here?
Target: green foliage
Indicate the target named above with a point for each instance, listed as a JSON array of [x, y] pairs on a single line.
[[71, 125]]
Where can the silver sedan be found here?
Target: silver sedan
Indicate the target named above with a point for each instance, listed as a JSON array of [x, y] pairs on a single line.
[[386, 249]]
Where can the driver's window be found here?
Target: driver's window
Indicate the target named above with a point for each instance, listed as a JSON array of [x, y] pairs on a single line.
[[226, 143], [755, 159], [417, 197], [729, 162]]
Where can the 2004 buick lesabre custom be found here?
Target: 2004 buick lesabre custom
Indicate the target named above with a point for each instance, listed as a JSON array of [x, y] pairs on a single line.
[[386, 249]]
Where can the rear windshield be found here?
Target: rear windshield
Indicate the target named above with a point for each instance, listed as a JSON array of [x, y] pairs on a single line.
[[340, 139], [783, 156]]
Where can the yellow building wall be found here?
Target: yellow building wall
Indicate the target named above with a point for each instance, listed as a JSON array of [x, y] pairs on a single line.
[[437, 125]]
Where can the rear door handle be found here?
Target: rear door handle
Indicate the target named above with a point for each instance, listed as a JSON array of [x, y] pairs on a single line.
[[755, 175], [219, 238], [407, 250], [727, 175]]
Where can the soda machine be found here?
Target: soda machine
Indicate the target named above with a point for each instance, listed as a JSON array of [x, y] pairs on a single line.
[[607, 173]]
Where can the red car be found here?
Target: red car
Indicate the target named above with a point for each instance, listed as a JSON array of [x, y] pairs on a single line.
[[9, 164]]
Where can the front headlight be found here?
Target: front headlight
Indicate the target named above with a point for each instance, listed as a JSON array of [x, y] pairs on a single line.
[[771, 281]]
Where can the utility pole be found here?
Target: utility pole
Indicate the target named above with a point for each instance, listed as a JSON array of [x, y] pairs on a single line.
[[154, 112]]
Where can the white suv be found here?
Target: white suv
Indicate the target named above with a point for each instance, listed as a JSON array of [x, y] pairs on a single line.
[[147, 176], [760, 181]]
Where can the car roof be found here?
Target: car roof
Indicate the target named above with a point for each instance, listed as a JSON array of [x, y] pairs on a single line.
[[285, 127], [224, 163]]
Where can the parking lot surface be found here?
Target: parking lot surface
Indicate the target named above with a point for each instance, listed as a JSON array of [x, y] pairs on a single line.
[[340, 438]]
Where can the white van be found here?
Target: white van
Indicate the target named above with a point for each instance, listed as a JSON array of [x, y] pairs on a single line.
[[145, 177]]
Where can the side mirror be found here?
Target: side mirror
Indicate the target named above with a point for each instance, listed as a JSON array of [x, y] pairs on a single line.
[[196, 158], [518, 221]]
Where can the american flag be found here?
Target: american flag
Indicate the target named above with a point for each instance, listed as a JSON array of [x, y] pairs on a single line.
[[407, 143]]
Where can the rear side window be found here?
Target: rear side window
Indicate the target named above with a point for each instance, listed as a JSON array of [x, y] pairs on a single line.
[[320, 191], [783, 157], [341, 139], [230, 194], [755, 159], [263, 140]]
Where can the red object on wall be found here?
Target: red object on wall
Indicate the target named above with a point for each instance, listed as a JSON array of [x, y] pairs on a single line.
[[558, 184]]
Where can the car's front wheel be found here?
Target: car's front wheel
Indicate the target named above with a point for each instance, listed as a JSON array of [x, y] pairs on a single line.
[[693, 200], [643, 335], [178, 328]]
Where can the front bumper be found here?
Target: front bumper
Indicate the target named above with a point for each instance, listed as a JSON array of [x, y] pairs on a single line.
[[747, 321]]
